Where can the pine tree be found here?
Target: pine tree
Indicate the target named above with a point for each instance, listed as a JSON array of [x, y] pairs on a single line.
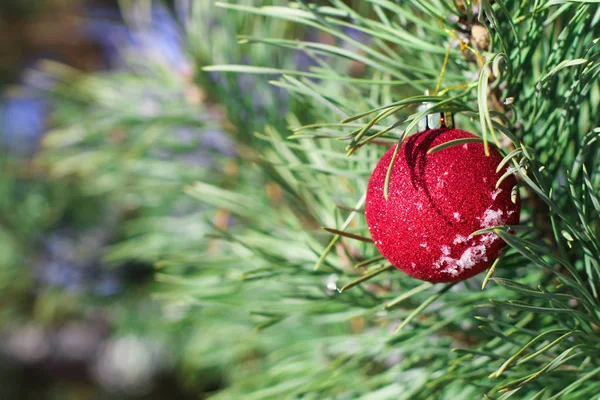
[[281, 308]]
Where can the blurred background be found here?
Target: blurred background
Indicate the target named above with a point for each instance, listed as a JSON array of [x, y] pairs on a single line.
[[84, 217]]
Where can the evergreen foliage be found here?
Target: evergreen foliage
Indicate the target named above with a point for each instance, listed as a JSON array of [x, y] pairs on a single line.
[[531, 88], [272, 305]]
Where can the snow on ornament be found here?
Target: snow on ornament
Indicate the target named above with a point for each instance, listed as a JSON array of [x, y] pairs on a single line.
[[435, 201]]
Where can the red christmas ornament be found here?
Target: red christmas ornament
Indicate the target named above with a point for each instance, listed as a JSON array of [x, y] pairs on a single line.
[[435, 202]]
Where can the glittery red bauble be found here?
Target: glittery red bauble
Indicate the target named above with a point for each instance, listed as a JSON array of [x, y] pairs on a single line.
[[435, 202]]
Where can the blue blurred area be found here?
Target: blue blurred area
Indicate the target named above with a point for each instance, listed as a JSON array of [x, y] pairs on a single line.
[[67, 282], [156, 36], [357, 35], [71, 259], [23, 115]]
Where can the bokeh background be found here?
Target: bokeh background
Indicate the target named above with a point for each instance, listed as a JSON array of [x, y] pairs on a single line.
[[85, 217]]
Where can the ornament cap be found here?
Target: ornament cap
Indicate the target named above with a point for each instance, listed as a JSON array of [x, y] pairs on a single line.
[[436, 120]]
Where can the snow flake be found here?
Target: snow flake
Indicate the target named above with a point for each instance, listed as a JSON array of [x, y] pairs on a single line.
[[488, 238], [492, 218], [460, 239], [469, 258], [495, 193]]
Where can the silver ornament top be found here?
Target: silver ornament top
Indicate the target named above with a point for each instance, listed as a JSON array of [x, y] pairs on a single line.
[[436, 120]]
